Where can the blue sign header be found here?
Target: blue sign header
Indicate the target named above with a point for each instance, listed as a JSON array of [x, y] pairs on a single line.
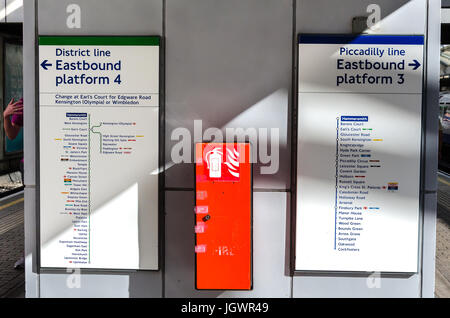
[[354, 118], [360, 39], [76, 114]]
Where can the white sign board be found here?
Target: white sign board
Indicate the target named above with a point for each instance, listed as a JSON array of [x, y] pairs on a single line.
[[359, 143], [99, 150]]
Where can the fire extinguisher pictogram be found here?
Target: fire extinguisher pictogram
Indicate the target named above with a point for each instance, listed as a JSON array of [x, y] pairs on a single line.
[[220, 167], [214, 162]]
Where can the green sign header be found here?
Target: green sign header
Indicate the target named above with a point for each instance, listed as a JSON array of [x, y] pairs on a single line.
[[100, 40]]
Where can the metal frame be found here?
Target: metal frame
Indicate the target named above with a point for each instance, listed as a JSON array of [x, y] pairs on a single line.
[[32, 226]]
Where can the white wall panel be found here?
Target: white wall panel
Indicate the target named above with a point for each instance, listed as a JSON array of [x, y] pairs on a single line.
[[102, 17], [14, 11], [323, 17], [368, 286], [228, 63], [397, 17], [269, 247]]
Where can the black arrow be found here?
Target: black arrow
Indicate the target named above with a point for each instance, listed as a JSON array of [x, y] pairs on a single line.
[[416, 64], [45, 64]]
